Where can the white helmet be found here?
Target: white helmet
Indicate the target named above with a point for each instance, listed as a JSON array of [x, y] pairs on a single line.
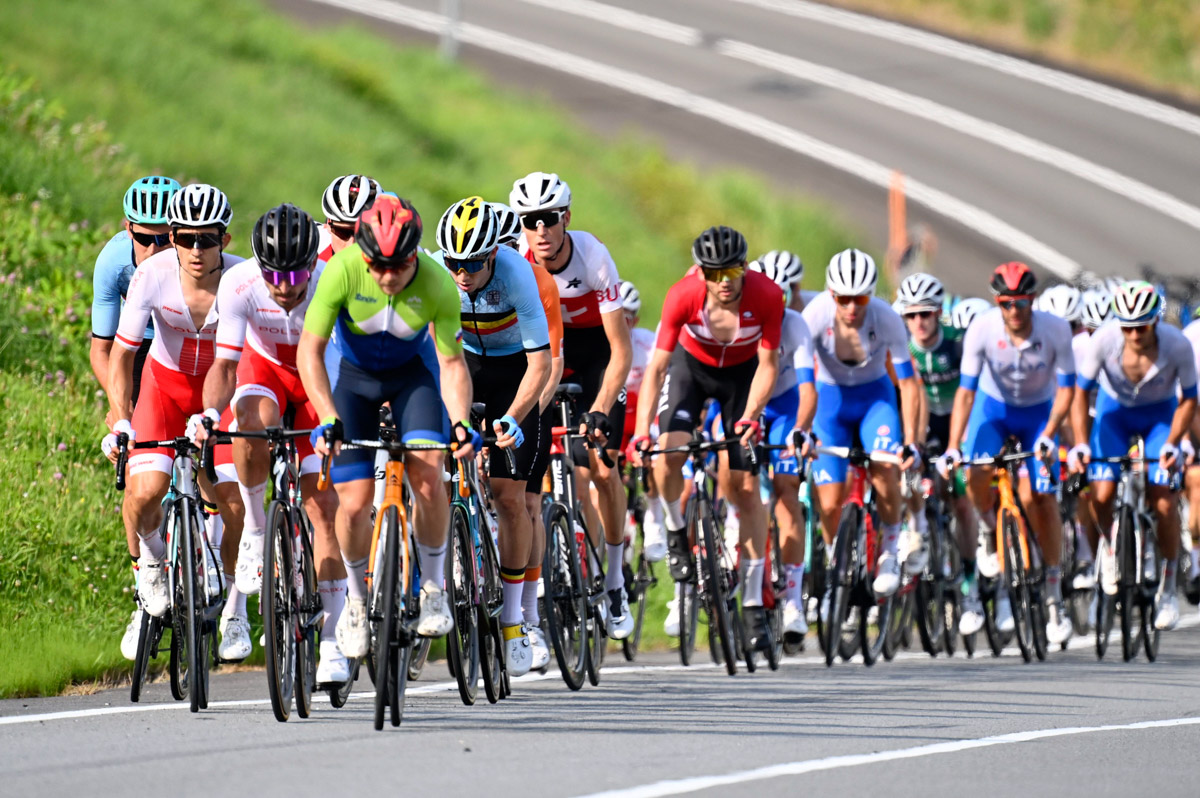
[[1137, 303], [1097, 307], [347, 197], [539, 191], [787, 262], [1062, 300], [631, 300], [199, 205], [921, 291], [851, 272], [965, 311], [775, 271], [508, 222]]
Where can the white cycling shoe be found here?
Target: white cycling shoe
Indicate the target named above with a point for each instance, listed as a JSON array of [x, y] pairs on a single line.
[[654, 540], [133, 633], [971, 620], [794, 622], [152, 586], [1058, 625], [619, 621], [333, 667], [518, 653], [986, 561], [1086, 578], [1110, 573], [435, 620], [353, 633], [916, 548], [887, 575], [1004, 616], [539, 648], [671, 623], [247, 573], [235, 639], [1167, 616]]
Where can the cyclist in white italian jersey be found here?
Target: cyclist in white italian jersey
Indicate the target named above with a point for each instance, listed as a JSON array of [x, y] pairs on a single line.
[[1192, 479]]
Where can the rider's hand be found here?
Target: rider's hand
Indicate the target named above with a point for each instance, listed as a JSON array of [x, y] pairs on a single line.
[[950, 459], [637, 446], [799, 442], [912, 457], [508, 432], [1168, 455], [1188, 451], [109, 444], [1044, 447], [596, 425], [196, 431], [468, 440], [1079, 457], [747, 429], [327, 438]]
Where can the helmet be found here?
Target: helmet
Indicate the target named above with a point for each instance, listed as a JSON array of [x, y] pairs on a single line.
[[348, 196], [921, 291], [1013, 279], [789, 264], [199, 205], [718, 247], [1097, 307], [772, 271], [851, 272], [1062, 300], [468, 229], [146, 200], [967, 310], [507, 223], [631, 300], [389, 231], [539, 191], [285, 239], [1137, 303], [1113, 284]]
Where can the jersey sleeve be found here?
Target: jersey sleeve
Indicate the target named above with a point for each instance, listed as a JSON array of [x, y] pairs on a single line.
[[606, 283], [447, 319], [329, 298], [527, 301], [1064, 355], [1089, 363], [772, 310], [972, 356], [138, 309], [897, 341], [106, 295], [548, 292], [802, 357], [1187, 368], [676, 310], [231, 321]]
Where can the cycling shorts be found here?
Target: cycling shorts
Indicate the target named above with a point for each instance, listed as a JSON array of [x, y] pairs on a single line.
[[541, 456], [139, 365], [992, 422], [417, 411], [590, 376], [854, 415], [258, 376], [689, 383], [779, 419], [168, 398], [1116, 424], [496, 379]]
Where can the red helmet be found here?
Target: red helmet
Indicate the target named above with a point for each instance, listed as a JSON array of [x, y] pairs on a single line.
[[1013, 279], [389, 231]]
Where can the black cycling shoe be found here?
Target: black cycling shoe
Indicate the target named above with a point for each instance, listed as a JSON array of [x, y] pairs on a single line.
[[760, 630], [1193, 591], [679, 555]]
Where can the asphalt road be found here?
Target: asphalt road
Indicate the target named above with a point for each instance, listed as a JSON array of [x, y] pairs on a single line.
[[915, 726]]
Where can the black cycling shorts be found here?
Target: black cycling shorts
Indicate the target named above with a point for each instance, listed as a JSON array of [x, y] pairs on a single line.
[[541, 457], [496, 379], [588, 373], [139, 362], [690, 383], [939, 433]]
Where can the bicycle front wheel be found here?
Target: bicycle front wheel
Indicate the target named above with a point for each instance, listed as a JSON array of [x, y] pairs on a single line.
[[840, 581], [387, 613], [1129, 588], [462, 645], [717, 590], [565, 597], [308, 601], [1016, 585], [279, 617], [197, 659], [141, 664]]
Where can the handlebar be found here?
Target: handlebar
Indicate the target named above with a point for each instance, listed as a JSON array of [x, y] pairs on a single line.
[[859, 456]]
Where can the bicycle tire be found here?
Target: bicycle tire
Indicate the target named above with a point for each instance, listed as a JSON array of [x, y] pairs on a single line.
[[930, 620], [340, 693], [276, 600], [141, 663], [1017, 587], [491, 591], [309, 600], [462, 645], [565, 597], [181, 683], [719, 592], [593, 577], [1150, 634], [775, 578], [1037, 616], [643, 580], [193, 621], [1129, 587], [407, 615], [891, 644], [951, 615], [872, 645], [386, 660], [1106, 610], [841, 581], [689, 621]]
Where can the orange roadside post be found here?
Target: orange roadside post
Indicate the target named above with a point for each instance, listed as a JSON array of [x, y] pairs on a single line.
[[897, 224]]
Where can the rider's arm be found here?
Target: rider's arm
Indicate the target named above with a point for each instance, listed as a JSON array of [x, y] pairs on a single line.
[[619, 361], [802, 361], [447, 339], [98, 355], [532, 384], [1064, 368], [968, 380], [1081, 420], [1186, 412], [652, 383], [911, 392], [130, 331], [106, 310], [328, 299], [548, 292], [535, 335], [763, 382], [221, 380]]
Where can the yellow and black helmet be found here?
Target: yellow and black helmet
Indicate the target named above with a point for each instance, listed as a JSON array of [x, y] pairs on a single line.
[[468, 230]]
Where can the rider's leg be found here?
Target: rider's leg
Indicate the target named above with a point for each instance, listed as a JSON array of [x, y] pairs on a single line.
[[516, 539], [741, 488], [537, 552], [1192, 483], [788, 515]]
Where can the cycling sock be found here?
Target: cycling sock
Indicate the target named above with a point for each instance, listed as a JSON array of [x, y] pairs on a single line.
[[987, 526], [153, 545], [1168, 576], [235, 604], [1054, 583], [795, 584], [433, 564], [135, 573], [614, 575], [674, 515], [513, 582], [333, 598], [529, 597], [752, 586], [356, 578], [920, 522], [1195, 563], [214, 526], [891, 538], [256, 513], [1083, 549], [655, 508]]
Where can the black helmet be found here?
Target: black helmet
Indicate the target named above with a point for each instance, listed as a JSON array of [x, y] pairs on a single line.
[[285, 239], [718, 247]]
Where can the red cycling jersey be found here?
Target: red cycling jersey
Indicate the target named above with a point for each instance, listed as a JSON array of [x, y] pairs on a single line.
[[685, 320]]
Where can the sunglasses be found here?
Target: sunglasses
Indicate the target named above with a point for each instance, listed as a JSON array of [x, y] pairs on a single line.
[[1018, 304], [530, 221], [391, 267], [198, 240], [343, 231], [844, 301], [721, 275], [151, 239], [291, 278], [469, 266], [920, 314], [1139, 329]]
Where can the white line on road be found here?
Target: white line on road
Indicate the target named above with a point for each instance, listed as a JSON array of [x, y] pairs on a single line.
[[695, 784], [970, 216]]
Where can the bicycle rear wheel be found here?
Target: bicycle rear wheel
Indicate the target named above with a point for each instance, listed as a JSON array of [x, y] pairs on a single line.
[[279, 617], [565, 597], [193, 624], [386, 647], [840, 580], [718, 590], [1106, 610], [462, 645]]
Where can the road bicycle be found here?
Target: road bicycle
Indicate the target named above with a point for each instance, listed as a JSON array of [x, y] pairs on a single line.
[[937, 588], [638, 571]]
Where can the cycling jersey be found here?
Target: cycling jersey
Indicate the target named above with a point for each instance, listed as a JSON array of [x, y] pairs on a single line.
[[1078, 344], [1101, 365], [1192, 333], [643, 347], [377, 332], [938, 367], [685, 320], [505, 316], [110, 284], [250, 316], [155, 292], [795, 354], [548, 291], [882, 334], [1020, 376], [587, 285]]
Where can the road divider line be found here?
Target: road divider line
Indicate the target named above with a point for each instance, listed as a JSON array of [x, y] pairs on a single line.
[[954, 209]]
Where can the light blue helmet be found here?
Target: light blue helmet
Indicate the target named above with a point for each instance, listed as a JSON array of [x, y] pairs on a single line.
[[147, 199]]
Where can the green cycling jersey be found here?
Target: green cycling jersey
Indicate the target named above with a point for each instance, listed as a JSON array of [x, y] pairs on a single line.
[[939, 368]]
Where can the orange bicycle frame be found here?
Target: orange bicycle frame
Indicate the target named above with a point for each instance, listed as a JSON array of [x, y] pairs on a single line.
[[393, 495], [1007, 502]]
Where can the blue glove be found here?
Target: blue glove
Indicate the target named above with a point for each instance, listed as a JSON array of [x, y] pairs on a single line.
[[331, 431], [471, 434], [509, 426]]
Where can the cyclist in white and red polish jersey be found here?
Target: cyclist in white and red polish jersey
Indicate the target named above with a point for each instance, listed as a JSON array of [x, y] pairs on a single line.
[[596, 355], [343, 202]]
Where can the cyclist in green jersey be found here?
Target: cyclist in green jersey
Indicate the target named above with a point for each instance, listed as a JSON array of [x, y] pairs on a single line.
[[936, 351]]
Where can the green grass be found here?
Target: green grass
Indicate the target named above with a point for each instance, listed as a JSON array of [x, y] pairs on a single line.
[[225, 92]]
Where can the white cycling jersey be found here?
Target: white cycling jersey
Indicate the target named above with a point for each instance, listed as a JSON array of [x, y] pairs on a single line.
[[588, 285], [1101, 364], [1078, 344], [155, 293], [1018, 376], [882, 332], [250, 316], [643, 347], [1192, 333], [795, 353]]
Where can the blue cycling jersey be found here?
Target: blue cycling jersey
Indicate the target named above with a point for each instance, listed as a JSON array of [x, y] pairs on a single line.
[[110, 284], [506, 316]]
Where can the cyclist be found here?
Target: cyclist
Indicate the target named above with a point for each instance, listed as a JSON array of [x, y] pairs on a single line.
[[1137, 364], [597, 354], [793, 270], [1027, 386], [936, 351], [1192, 478], [509, 225], [965, 311], [507, 343], [380, 294], [343, 202], [719, 338], [177, 289], [855, 336], [791, 408], [1095, 308]]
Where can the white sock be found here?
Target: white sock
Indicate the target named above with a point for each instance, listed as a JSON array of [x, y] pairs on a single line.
[[529, 602], [987, 524], [1195, 564], [614, 576], [235, 603], [674, 515], [153, 545], [1168, 577], [891, 538], [1054, 582], [920, 522], [433, 564], [256, 513], [656, 510], [214, 527], [1083, 549], [513, 587], [333, 599], [795, 584], [356, 578], [752, 585]]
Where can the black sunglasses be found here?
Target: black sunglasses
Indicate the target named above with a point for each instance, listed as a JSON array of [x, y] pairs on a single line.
[[920, 314], [343, 231], [198, 240], [151, 239], [530, 221]]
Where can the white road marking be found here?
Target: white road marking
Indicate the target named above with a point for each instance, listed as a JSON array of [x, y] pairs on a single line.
[[624, 18], [695, 784], [1006, 64], [970, 216]]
